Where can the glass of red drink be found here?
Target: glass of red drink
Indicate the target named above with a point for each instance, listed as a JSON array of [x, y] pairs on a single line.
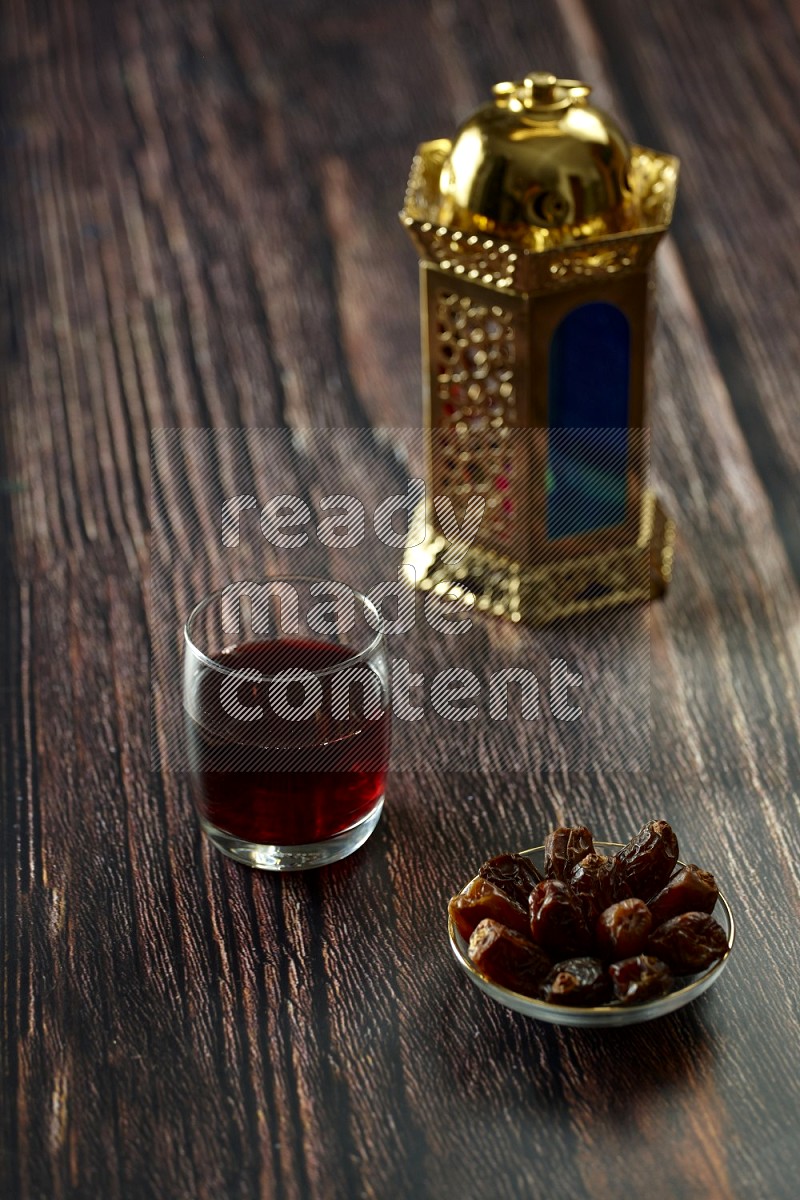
[[286, 697]]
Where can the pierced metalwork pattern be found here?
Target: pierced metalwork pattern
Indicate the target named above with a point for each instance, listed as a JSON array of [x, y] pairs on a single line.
[[423, 179], [479, 259], [593, 261], [473, 371], [655, 178]]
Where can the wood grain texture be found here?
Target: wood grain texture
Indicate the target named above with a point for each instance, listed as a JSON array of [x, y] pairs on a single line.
[[199, 215]]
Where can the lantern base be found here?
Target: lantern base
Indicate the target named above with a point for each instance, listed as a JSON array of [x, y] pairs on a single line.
[[544, 593]]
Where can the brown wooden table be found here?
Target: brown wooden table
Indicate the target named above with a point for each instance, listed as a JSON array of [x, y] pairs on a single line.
[[200, 230]]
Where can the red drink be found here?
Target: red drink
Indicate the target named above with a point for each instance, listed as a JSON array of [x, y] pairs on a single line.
[[265, 777]]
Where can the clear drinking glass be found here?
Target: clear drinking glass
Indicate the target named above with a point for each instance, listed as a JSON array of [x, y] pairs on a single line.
[[286, 697]]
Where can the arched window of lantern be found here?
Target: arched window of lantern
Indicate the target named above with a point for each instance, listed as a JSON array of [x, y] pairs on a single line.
[[588, 407]]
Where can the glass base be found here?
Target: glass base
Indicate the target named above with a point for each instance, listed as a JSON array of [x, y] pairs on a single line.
[[294, 858]]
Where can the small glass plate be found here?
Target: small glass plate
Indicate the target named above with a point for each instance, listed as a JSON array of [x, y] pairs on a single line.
[[602, 1015]]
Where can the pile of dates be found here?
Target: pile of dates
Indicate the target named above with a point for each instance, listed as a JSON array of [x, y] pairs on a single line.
[[596, 928]]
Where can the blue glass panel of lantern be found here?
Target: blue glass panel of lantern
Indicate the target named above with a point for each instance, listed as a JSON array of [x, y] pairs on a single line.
[[588, 398]]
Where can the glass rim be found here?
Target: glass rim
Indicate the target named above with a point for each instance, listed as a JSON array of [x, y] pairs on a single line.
[[267, 676]]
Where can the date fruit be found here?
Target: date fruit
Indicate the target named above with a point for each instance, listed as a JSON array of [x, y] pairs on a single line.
[[690, 890], [596, 882], [508, 959], [563, 848], [640, 978], [579, 981], [647, 861], [556, 919], [481, 899], [622, 928], [513, 874], [688, 943]]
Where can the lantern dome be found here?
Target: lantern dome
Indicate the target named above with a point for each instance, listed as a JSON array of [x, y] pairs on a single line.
[[540, 166]]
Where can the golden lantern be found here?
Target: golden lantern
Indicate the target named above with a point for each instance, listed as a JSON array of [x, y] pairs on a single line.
[[536, 228]]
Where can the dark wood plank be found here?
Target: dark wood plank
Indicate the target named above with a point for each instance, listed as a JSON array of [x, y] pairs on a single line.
[[200, 208]]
